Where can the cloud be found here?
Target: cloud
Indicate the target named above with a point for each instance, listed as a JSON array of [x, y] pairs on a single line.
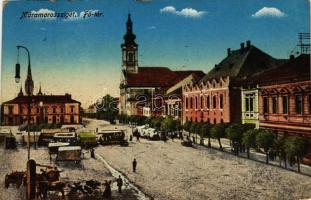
[[43, 13], [151, 27], [269, 12], [185, 12]]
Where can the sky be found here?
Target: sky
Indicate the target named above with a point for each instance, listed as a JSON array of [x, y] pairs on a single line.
[[82, 55]]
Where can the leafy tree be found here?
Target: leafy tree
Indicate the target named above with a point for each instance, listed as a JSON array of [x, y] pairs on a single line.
[[297, 147], [249, 140], [265, 140], [168, 124], [187, 126], [205, 131], [193, 127], [278, 149], [217, 132], [235, 133], [107, 108]]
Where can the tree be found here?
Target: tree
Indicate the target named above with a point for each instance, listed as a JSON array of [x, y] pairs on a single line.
[[249, 140], [279, 149], [217, 132], [235, 133], [297, 147], [193, 127], [205, 131], [168, 124], [107, 108], [265, 140], [187, 126]]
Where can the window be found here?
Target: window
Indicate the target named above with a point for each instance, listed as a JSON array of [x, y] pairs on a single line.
[[54, 110], [298, 103], [214, 102], [285, 104], [38, 110], [10, 110], [62, 110], [309, 101], [265, 105], [71, 108], [221, 101], [131, 57], [191, 102], [214, 121], [196, 102], [186, 102], [201, 102], [274, 104], [207, 102]]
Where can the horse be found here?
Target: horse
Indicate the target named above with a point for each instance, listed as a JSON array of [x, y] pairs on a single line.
[[16, 178]]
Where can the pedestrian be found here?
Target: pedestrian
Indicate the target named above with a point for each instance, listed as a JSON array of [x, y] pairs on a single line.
[[134, 165], [119, 183], [43, 185], [107, 191], [92, 153]]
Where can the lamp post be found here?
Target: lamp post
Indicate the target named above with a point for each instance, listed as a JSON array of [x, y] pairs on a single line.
[[17, 79], [31, 164]]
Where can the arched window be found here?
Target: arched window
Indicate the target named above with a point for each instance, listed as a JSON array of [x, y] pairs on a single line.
[[214, 102], [191, 102], [186, 102], [207, 102], [196, 102], [131, 57], [202, 102], [221, 101], [214, 121]]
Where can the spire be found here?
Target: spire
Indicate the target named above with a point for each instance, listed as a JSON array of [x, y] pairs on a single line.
[[129, 37], [129, 24], [20, 94], [40, 92], [29, 82]]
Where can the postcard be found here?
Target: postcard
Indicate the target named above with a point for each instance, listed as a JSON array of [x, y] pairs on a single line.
[[154, 99]]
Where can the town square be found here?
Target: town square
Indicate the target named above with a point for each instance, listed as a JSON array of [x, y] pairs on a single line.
[[155, 100]]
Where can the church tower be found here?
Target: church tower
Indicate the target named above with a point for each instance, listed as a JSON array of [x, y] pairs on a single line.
[[129, 49], [29, 82]]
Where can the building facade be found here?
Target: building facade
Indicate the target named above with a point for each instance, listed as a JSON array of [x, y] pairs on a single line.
[[249, 99], [216, 98], [49, 109], [143, 88]]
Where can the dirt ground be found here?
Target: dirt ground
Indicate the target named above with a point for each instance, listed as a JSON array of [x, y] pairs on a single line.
[[171, 171]]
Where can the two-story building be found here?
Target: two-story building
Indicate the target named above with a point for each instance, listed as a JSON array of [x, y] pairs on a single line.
[[216, 98]]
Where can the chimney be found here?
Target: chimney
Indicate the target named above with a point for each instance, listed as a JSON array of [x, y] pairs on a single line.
[[242, 46], [248, 44], [229, 51], [291, 57]]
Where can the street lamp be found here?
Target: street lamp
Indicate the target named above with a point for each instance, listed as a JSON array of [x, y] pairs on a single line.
[[17, 79]]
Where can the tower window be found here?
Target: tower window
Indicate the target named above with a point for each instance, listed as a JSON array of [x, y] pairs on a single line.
[[186, 102], [196, 102], [201, 102], [131, 57]]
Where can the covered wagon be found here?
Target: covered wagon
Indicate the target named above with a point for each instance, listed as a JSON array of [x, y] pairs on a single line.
[[69, 153]]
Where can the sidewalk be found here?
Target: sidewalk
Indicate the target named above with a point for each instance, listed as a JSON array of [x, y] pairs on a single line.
[[255, 156]]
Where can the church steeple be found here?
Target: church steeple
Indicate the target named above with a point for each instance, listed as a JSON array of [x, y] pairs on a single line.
[[20, 94], [129, 49], [40, 92], [29, 82]]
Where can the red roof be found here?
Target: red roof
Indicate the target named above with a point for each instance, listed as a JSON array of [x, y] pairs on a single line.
[[44, 98], [157, 77]]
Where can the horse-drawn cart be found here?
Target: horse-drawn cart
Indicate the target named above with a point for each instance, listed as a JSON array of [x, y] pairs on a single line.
[[69, 153]]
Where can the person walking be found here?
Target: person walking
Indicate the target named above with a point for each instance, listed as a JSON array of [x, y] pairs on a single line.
[[43, 184], [134, 165], [119, 183]]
